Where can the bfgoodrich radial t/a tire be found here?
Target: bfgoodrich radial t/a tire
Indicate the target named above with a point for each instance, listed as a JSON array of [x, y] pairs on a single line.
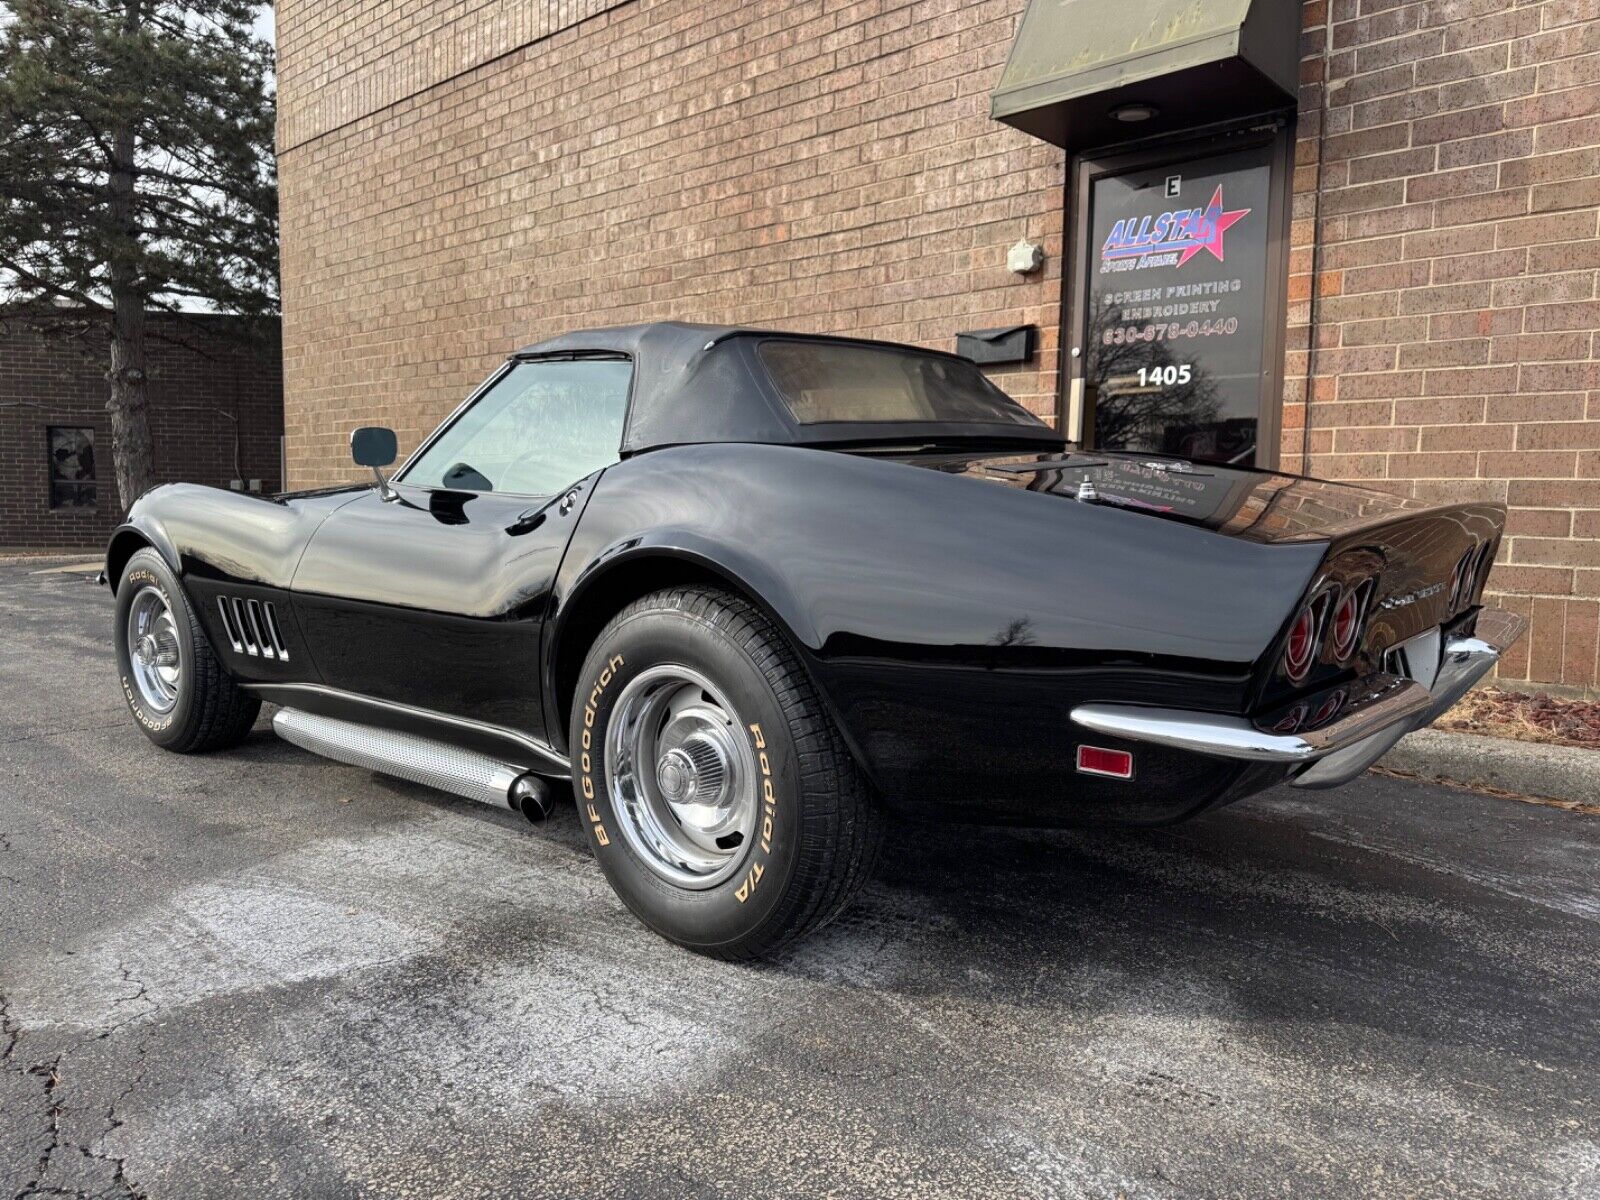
[[718, 795], [177, 690]]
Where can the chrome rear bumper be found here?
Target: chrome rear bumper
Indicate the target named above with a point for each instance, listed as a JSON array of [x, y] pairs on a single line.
[[1369, 722], [1468, 659]]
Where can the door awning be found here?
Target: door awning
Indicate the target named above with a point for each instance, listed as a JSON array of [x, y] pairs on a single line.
[[1175, 63]]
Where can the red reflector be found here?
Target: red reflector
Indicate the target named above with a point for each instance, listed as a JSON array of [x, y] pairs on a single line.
[[1095, 760]]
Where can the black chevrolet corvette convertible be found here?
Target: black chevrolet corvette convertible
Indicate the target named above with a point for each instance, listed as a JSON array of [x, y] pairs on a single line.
[[750, 592]]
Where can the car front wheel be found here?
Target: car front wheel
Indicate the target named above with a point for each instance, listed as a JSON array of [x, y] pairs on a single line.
[[178, 691], [718, 794]]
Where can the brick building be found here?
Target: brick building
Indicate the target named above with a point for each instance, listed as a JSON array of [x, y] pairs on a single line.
[[216, 414], [1419, 289]]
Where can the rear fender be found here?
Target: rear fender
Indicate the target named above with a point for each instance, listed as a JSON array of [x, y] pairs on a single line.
[[938, 613]]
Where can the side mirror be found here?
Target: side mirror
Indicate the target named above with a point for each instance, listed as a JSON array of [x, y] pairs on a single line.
[[373, 446], [376, 447]]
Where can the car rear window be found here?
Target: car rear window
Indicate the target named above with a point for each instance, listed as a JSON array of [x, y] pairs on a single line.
[[823, 383]]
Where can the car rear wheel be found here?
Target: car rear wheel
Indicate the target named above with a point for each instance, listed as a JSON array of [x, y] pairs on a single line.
[[718, 795], [177, 689]]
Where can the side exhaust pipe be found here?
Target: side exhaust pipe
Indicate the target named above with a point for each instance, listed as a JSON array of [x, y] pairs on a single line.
[[433, 764], [533, 797]]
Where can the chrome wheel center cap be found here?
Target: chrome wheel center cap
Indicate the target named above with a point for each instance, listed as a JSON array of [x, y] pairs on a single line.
[[694, 772], [157, 649], [675, 776]]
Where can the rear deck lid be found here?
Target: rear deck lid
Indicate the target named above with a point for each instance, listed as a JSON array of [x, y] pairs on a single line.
[[1260, 506], [1417, 566]]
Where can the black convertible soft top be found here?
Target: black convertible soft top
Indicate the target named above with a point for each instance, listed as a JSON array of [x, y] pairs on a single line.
[[703, 383]]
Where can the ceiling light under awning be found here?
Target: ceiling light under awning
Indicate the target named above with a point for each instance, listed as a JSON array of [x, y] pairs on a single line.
[[1077, 64]]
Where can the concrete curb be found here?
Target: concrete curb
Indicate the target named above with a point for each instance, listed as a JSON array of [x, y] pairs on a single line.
[[1526, 768]]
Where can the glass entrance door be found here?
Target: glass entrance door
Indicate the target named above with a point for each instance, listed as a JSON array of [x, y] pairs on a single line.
[[1178, 346]]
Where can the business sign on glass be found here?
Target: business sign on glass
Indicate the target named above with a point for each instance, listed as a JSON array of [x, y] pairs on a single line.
[[1176, 307]]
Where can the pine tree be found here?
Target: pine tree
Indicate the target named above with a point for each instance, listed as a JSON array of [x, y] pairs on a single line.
[[136, 175]]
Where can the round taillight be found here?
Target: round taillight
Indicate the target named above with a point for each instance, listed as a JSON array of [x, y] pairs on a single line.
[[1328, 710], [1302, 646], [1291, 721], [1347, 617]]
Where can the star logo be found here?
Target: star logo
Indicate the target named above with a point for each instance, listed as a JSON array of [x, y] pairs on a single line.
[[1171, 239], [1205, 230]]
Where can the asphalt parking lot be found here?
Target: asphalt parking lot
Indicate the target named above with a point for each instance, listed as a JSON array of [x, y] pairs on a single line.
[[260, 974]]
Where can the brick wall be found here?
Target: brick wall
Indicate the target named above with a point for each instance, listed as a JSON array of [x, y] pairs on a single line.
[[342, 62], [803, 165], [200, 399], [1447, 190], [462, 177]]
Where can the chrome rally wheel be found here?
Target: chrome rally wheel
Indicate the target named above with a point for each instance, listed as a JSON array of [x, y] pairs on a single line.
[[154, 651], [177, 689], [682, 775], [718, 796]]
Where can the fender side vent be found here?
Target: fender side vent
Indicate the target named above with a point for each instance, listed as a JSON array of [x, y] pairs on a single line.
[[252, 627], [271, 613]]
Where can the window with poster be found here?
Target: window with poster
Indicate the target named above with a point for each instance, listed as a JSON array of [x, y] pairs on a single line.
[[72, 478], [1176, 308]]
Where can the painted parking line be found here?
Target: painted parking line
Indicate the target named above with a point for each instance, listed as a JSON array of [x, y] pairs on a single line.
[[86, 567]]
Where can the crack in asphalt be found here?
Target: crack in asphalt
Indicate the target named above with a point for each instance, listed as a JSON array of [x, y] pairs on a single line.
[[50, 1071], [10, 1030], [45, 734]]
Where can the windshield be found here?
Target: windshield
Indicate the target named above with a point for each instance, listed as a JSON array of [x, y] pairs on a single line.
[[823, 382]]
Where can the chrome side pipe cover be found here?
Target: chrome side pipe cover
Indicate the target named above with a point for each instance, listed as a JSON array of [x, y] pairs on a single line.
[[464, 773]]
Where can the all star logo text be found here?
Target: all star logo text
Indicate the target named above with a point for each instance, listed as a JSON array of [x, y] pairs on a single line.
[[1171, 239]]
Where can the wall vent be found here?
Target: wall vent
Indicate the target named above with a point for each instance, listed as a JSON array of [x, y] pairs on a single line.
[[252, 627]]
